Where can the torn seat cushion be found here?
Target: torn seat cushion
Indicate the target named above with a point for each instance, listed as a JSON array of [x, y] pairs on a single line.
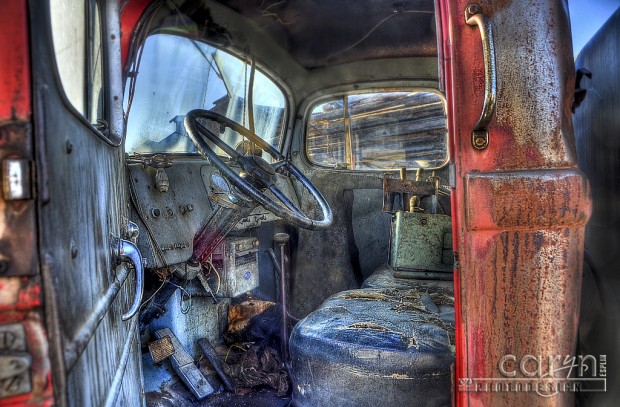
[[376, 346]]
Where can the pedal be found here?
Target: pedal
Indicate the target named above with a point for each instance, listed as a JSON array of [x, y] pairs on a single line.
[[161, 349], [183, 365]]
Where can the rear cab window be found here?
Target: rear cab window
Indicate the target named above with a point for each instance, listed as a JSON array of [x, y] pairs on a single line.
[[379, 131]]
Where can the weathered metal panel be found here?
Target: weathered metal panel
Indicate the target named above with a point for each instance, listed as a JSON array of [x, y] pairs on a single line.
[[82, 204], [171, 224], [520, 250], [418, 241], [551, 198]]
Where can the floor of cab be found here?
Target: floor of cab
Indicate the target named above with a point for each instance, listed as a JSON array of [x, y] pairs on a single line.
[[163, 388], [178, 395]]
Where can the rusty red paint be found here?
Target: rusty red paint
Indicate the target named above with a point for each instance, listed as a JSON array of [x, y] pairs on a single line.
[[30, 295], [445, 57], [20, 297], [552, 198], [19, 293], [519, 206], [15, 100], [130, 15]]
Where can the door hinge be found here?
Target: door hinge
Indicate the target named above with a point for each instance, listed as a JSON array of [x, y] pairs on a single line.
[[452, 175], [15, 361], [16, 179]]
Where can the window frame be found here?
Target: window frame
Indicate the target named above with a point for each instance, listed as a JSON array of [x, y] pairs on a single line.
[[359, 89], [242, 56], [111, 70]]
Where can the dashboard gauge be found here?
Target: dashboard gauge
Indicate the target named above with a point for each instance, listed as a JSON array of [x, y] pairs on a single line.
[[219, 183]]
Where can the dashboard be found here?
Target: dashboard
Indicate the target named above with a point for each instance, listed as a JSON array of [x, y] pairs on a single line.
[[176, 198]]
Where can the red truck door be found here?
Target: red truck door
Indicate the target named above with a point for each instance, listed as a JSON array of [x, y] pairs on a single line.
[[521, 203]]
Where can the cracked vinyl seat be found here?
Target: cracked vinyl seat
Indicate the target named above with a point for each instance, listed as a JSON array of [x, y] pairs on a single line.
[[376, 346]]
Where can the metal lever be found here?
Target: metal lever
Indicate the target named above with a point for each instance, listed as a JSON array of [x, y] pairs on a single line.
[[474, 16], [125, 251]]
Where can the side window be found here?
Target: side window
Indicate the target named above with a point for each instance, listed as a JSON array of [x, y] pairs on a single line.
[[77, 37], [379, 131]]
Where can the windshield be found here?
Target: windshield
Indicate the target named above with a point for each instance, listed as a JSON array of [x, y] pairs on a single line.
[[178, 74]]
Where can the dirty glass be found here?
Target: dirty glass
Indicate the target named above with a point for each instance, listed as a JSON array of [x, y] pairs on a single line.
[[178, 74], [77, 38], [379, 131], [95, 70]]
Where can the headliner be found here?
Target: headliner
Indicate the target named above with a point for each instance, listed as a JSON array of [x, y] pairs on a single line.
[[319, 33]]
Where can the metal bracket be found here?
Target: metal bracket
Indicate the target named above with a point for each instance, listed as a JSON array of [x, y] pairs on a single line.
[[130, 231], [16, 181], [15, 362]]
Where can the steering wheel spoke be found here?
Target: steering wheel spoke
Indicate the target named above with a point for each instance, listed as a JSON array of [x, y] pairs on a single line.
[[232, 153], [284, 199]]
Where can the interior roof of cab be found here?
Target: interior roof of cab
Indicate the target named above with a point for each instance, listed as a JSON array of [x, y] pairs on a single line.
[[319, 33], [314, 45]]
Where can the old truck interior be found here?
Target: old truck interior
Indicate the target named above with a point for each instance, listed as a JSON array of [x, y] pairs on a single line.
[[290, 174], [273, 202]]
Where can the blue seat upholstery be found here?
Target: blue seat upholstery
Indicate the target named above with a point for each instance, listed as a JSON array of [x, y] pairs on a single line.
[[391, 345]]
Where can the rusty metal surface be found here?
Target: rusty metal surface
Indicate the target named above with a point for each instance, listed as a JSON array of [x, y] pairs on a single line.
[[392, 186], [25, 376], [18, 244], [532, 126], [15, 92], [161, 349], [551, 198], [520, 251]]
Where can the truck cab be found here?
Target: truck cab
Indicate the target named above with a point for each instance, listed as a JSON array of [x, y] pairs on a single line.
[[311, 203]]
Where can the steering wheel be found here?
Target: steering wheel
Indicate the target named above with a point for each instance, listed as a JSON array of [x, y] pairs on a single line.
[[261, 175]]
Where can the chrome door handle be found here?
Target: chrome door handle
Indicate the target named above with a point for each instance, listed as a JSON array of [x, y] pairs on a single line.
[[473, 17], [126, 251]]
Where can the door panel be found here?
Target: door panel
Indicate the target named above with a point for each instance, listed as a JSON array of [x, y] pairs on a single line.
[[520, 203], [82, 205]]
